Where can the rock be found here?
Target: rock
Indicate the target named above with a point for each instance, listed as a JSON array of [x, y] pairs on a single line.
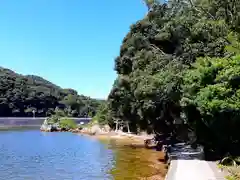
[[106, 128], [185, 151], [150, 143], [45, 126], [49, 127], [76, 130], [95, 129]]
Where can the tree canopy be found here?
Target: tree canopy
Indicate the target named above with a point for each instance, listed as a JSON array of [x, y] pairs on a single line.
[[176, 58], [21, 95]]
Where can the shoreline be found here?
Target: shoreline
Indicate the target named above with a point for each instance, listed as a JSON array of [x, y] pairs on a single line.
[[118, 135], [137, 142], [129, 139], [134, 141]]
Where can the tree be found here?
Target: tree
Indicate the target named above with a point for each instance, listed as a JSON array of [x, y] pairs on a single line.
[[152, 59], [67, 124], [102, 116], [19, 95], [211, 89], [150, 3]]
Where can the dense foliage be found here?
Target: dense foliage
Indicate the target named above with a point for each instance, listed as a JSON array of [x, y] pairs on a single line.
[[102, 115], [67, 123], [212, 98], [32, 95], [160, 82]]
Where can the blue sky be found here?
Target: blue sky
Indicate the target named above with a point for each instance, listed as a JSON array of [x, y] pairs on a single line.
[[72, 43]]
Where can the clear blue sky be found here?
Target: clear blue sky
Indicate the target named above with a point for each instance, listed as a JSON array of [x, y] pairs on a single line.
[[72, 43]]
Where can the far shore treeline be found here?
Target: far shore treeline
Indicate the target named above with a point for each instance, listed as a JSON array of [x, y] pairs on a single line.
[[28, 96], [179, 70]]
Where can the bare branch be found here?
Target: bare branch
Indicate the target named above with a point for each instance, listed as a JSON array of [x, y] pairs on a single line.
[[157, 48]]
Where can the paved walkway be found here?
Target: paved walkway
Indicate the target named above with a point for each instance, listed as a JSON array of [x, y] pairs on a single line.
[[194, 170]]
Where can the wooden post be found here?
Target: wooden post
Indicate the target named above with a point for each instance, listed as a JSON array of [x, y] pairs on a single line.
[[128, 126], [116, 125]]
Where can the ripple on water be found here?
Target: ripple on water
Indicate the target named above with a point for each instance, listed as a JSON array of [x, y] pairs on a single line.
[[32, 155], [53, 156]]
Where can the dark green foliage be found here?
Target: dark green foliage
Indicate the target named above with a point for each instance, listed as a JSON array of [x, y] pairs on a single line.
[[102, 115], [53, 119], [67, 123], [152, 58], [228, 10], [213, 87], [154, 77], [20, 95]]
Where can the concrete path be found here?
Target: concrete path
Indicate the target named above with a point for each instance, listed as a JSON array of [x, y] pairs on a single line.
[[194, 170]]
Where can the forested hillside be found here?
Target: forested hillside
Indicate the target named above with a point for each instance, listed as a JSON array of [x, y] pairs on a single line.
[[21, 95], [180, 65]]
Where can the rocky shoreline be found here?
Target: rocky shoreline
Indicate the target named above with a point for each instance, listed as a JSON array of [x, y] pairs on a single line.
[[126, 139], [107, 135]]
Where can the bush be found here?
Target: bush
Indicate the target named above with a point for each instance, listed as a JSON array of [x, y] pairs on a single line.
[[67, 123], [213, 87], [102, 115], [53, 119]]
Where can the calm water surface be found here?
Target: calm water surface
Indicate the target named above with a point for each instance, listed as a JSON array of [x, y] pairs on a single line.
[[34, 155]]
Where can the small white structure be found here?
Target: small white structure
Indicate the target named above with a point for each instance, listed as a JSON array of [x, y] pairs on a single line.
[[121, 124]]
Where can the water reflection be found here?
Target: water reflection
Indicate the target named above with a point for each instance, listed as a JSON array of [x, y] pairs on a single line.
[[33, 155], [135, 163]]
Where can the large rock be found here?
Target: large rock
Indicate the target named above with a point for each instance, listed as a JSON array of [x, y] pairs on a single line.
[[49, 127], [45, 126], [106, 128], [185, 152], [95, 129]]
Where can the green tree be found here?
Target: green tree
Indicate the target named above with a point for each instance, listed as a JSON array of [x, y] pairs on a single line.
[[102, 115], [212, 89], [19, 95], [153, 57], [67, 123]]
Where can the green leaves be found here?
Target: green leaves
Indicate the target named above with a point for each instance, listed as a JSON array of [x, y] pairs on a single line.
[[212, 86], [181, 62], [67, 123], [19, 95]]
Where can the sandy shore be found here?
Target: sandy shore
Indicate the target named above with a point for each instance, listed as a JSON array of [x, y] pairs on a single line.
[[137, 141], [121, 137]]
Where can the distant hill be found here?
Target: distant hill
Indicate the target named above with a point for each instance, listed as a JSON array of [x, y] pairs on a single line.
[[20, 95], [41, 81]]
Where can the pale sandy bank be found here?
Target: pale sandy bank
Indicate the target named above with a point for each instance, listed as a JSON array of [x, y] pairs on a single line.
[[137, 141]]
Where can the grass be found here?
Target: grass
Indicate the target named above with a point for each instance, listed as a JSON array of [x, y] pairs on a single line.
[[230, 165], [67, 123], [234, 173]]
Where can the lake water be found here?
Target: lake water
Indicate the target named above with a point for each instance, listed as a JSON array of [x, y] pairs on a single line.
[[34, 155]]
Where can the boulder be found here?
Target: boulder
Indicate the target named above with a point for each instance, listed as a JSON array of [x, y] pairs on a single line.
[[106, 128], [185, 151], [95, 129], [49, 127], [46, 128]]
